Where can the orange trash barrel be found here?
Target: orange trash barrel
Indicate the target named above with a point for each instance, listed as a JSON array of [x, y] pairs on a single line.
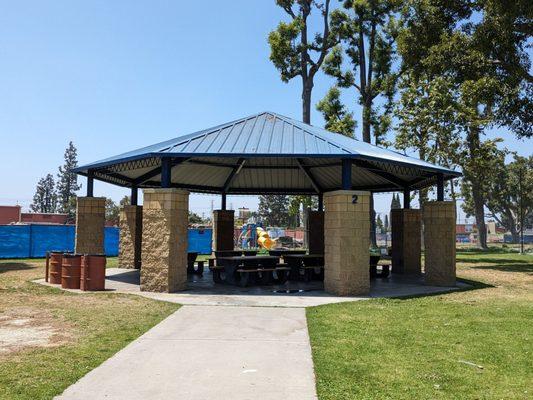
[[55, 267], [93, 272], [71, 271]]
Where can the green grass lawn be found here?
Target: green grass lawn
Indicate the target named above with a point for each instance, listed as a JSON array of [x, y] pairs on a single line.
[[475, 344], [86, 330]]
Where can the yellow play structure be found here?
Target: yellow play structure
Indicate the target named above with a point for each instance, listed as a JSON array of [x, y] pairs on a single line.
[[264, 240]]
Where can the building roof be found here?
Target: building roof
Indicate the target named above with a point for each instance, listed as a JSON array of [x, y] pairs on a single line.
[[266, 153]]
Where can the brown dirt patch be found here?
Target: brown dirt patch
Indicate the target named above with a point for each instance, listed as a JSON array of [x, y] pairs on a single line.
[[24, 327]]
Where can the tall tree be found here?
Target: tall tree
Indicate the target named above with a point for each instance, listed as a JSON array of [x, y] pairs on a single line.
[[367, 30], [442, 39], [45, 198], [67, 181], [112, 211], [294, 53], [509, 193], [428, 114], [379, 225], [386, 223], [274, 209], [338, 118]]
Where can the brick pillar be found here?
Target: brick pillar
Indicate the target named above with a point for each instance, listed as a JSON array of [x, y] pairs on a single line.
[[164, 240], [315, 227], [131, 225], [406, 241], [90, 224], [439, 243], [347, 242], [223, 228]]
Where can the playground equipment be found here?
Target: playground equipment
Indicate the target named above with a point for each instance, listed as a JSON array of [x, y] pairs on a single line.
[[264, 239]]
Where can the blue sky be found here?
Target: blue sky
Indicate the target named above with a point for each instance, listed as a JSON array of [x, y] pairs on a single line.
[[116, 75]]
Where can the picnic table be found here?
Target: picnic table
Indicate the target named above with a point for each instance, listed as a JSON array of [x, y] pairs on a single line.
[[242, 270], [376, 260], [284, 252], [305, 266]]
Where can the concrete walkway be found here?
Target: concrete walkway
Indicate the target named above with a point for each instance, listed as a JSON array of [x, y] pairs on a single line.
[[210, 352]]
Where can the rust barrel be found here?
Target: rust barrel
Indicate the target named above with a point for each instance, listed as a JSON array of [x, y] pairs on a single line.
[[93, 272], [71, 271], [55, 260]]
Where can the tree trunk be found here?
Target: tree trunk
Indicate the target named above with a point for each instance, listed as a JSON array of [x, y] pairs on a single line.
[[366, 122], [479, 211], [306, 101], [477, 193]]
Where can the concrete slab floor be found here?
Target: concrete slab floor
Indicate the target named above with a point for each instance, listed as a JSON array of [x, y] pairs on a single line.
[[202, 291], [207, 352]]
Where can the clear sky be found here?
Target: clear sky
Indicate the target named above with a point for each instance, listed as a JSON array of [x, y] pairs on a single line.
[[116, 75]]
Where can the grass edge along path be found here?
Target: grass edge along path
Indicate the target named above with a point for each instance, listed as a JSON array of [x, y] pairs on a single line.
[[475, 344], [96, 325]]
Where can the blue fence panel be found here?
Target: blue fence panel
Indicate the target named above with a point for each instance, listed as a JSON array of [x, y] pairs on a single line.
[[15, 241], [22, 241], [200, 240], [51, 238], [111, 235]]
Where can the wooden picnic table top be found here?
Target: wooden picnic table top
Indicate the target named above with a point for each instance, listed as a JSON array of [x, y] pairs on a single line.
[[303, 255], [240, 258]]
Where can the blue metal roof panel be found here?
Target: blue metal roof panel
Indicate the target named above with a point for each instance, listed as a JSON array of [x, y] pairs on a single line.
[[266, 134]]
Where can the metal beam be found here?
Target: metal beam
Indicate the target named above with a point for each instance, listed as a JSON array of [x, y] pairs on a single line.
[[90, 183], [309, 175], [374, 169], [440, 187], [156, 171], [166, 171], [320, 202], [346, 174], [233, 173], [406, 198], [223, 201], [134, 195]]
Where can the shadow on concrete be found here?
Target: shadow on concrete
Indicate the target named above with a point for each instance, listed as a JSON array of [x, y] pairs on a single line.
[[393, 286]]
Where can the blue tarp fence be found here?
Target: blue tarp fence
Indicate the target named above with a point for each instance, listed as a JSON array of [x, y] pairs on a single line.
[[29, 241]]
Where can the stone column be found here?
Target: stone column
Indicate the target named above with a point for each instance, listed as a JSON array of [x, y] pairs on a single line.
[[315, 227], [406, 241], [90, 224], [347, 242], [223, 229], [439, 243], [131, 224], [164, 240]]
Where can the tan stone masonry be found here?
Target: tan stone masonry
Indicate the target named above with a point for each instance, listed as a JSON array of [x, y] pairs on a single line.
[[439, 243], [315, 226], [129, 255], [406, 241], [164, 240], [347, 241], [223, 228], [90, 224]]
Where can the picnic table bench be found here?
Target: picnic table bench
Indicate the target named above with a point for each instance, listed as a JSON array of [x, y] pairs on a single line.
[[243, 270]]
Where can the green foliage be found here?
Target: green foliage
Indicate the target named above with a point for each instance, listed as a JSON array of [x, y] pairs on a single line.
[[195, 218], [365, 24], [274, 210], [45, 198], [112, 211], [292, 51], [337, 118], [67, 181], [379, 225], [395, 202], [509, 188]]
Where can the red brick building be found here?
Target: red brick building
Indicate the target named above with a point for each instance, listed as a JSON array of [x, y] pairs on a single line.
[[9, 214]]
